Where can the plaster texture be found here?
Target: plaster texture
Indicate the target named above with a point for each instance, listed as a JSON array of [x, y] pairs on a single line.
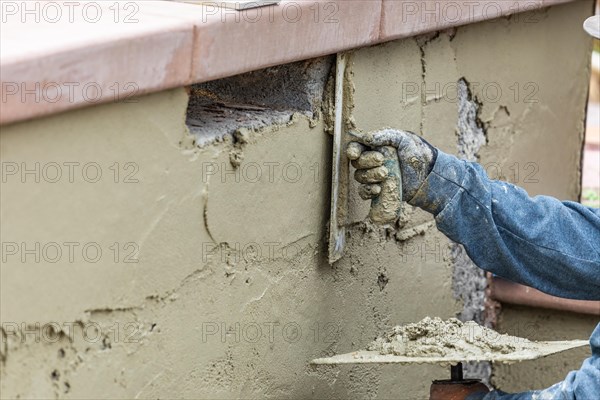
[[220, 287]]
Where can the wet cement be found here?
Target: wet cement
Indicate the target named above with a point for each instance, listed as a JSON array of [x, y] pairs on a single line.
[[436, 337]]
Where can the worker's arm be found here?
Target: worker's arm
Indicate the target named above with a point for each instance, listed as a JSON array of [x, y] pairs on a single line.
[[537, 241], [540, 241]]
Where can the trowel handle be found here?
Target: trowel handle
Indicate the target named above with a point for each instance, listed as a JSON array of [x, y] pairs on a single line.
[[386, 207]]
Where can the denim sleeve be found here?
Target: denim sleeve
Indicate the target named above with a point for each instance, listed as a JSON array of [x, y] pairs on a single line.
[[538, 241]]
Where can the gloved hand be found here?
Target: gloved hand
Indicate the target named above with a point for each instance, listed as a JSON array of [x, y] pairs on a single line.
[[415, 155]]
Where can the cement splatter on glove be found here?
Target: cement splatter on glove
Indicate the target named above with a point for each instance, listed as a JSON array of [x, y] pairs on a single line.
[[415, 155]]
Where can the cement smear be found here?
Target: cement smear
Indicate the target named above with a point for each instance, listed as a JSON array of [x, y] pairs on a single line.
[[385, 208], [452, 338]]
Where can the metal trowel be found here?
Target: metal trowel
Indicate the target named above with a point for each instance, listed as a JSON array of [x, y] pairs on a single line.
[[339, 170], [385, 208]]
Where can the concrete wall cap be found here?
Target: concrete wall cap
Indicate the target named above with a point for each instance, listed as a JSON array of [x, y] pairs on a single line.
[[58, 56]]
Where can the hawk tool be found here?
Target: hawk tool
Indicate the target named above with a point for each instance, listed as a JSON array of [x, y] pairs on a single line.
[[455, 388]]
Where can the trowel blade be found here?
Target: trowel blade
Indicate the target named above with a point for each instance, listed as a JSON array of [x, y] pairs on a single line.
[[339, 170], [534, 351]]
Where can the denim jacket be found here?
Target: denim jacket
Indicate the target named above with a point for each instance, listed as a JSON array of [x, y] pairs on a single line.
[[540, 242]]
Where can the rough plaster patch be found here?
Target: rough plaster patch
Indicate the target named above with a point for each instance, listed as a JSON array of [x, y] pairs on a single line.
[[209, 122], [296, 86], [471, 133], [68, 351], [256, 99]]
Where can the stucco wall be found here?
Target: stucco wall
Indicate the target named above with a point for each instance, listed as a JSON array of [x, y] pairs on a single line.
[[220, 286], [539, 324]]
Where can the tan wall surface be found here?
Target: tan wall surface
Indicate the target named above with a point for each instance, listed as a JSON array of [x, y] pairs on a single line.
[[540, 324], [232, 294]]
